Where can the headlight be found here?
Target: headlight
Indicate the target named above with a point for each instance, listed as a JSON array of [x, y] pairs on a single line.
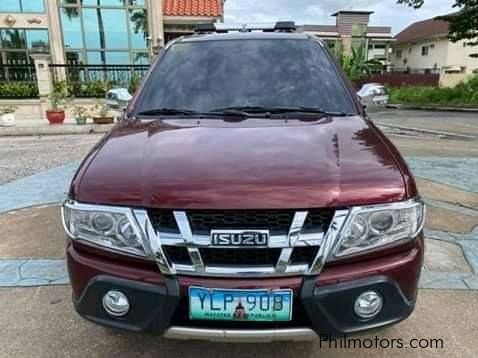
[[371, 227], [111, 227]]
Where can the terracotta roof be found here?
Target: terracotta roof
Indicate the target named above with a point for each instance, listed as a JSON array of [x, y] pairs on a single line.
[[423, 30], [209, 8]]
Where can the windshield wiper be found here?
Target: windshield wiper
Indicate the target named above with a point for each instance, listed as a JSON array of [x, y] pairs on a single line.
[[168, 112], [236, 114], [249, 110]]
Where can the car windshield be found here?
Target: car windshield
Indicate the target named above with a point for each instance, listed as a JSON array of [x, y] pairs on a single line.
[[205, 76]]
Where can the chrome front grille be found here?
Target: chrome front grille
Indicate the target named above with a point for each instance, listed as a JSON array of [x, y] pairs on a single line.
[[276, 221], [241, 257], [299, 241]]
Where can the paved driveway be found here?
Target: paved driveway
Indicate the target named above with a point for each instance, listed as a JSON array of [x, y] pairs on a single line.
[[36, 317]]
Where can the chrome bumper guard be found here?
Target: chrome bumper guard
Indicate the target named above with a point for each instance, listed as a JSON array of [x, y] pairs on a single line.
[[243, 336]]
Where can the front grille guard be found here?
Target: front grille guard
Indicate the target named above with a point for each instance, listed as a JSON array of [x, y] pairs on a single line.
[[154, 241]]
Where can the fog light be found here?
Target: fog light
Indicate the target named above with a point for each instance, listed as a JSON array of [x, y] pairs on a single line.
[[116, 303], [368, 305]]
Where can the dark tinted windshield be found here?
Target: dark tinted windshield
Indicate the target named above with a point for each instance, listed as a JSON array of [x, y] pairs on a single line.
[[210, 75]]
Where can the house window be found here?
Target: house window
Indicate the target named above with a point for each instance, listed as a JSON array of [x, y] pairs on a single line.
[[22, 6], [398, 54], [16, 45], [409, 50], [105, 31], [425, 50]]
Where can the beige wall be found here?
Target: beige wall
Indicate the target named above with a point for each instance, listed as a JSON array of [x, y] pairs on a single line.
[[436, 56], [444, 54], [34, 109], [459, 55], [452, 79], [25, 20]]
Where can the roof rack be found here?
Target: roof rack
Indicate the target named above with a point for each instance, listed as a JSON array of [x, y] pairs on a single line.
[[281, 26]]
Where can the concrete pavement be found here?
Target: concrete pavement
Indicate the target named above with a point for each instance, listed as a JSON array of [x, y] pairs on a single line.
[[39, 321]]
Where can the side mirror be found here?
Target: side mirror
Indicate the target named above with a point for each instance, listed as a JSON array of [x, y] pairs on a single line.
[[373, 95], [118, 98]]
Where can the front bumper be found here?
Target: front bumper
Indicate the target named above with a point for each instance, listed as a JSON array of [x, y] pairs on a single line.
[[324, 304]]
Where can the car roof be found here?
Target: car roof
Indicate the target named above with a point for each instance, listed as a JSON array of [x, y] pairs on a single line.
[[237, 35]]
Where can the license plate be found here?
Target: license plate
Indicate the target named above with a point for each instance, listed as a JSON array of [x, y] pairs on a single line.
[[239, 238], [240, 305]]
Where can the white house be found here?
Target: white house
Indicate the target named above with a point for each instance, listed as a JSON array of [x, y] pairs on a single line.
[[424, 46]]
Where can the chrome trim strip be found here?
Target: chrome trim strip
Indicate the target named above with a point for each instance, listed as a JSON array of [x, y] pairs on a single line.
[[329, 241], [154, 241], [187, 235], [275, 241], [293, 237], [184, 227], [248, 335], [254, 271], [196, 259], [284, 260], [296, 227]]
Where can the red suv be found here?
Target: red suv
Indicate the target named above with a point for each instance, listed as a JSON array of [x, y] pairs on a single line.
[[246, 196]]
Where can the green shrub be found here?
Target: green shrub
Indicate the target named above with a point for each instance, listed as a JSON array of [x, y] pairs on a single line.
[[18, 90], [464, 94], [134, 83], [93, 89]]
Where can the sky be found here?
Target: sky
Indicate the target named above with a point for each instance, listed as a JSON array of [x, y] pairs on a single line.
[[317, 12]]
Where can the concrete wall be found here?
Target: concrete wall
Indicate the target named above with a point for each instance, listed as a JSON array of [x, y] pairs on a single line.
[[459, 55], [445, 54], [27, 109], [452, 79], [34, 110]]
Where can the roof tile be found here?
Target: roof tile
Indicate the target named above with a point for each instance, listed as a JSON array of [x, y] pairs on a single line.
[[210, 8], [423, 30]]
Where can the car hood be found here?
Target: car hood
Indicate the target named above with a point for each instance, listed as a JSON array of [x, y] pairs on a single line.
[[189, 163]]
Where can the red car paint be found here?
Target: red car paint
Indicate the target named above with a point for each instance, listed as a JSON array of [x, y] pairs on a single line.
[[255, 164], [403, 266], [185, 164]]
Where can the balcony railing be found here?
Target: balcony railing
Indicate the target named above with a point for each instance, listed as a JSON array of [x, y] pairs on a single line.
[[96, 80], [18, 81]]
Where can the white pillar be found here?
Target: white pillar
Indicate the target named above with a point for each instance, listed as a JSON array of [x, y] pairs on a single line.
[[56, 40], [156, 24], [44, 82]]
